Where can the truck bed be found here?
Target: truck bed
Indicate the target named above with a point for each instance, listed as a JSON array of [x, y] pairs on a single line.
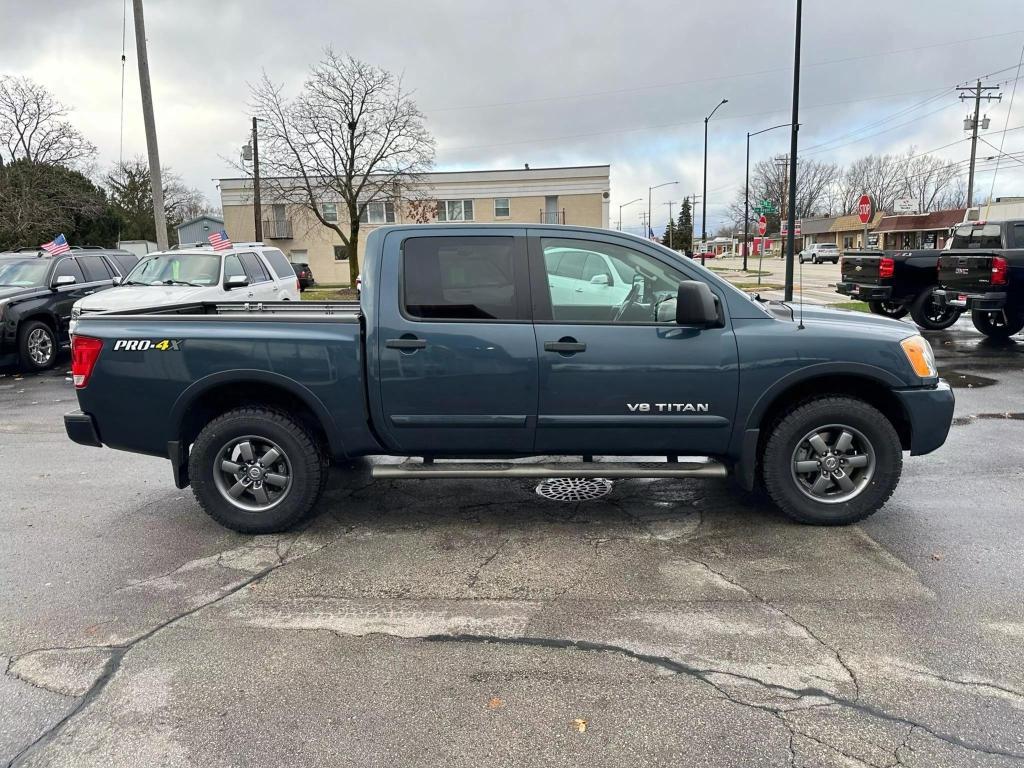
[[337, 310]]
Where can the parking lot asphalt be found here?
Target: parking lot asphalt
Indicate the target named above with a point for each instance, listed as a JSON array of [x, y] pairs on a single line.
[[473, 622]]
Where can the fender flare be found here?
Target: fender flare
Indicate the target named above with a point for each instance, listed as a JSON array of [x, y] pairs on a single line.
[[745, 440], [200, 387]]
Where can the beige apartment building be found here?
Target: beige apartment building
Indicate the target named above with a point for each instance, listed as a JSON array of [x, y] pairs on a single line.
[[576, 195]]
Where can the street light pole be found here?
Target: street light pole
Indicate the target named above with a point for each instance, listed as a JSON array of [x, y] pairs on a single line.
[[746, 192], [793, 134], [623, 206], [671, 223], [704, 194], [650, 232]]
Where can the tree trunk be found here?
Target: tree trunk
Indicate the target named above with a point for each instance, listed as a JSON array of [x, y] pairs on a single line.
[[353, 247]]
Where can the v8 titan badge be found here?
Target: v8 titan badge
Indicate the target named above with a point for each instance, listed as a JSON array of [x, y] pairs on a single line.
[[141, 345]]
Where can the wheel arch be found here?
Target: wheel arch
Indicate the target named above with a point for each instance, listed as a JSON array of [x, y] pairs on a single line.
[[217, 393], [864, 382]]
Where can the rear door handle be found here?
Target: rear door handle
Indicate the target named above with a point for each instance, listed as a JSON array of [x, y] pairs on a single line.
[[405, 343], [564, 347]]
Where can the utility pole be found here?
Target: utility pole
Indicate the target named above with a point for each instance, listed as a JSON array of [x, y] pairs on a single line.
[[155, 181], [257, 207], [794, 130], [977, 92]]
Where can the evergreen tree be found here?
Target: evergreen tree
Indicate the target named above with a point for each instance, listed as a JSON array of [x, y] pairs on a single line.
[[684, 228], [671, 237]]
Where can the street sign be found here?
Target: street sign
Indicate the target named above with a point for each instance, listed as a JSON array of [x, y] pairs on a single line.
[[765, 207], [864, 209], [762, 225]]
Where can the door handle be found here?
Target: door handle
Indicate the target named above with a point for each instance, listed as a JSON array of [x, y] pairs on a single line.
[[410, 344], [565, 346]]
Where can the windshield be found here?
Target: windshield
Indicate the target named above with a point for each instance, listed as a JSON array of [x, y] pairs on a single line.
[[23, 273], [176, 269]]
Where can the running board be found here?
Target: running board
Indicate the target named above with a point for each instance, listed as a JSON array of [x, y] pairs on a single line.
[[467, 470]]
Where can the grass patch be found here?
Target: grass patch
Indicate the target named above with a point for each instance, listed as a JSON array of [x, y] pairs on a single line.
[[857, 306], [758, 287], [322, 293]]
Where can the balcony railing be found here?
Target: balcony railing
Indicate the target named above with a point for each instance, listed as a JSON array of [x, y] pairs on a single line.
[[552, 217], [277, 229]]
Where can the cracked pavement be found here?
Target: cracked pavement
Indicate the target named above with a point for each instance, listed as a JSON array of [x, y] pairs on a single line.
[[458, 622]]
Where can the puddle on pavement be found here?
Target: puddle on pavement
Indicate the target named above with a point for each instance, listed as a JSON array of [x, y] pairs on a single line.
[[960, 421], [961, 380]]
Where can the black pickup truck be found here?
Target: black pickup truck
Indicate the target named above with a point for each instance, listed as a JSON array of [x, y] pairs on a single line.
[[894, 283], [983, 273]]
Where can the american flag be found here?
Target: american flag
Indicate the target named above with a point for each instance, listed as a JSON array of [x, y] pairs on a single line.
[[57, 246], [220, 240]]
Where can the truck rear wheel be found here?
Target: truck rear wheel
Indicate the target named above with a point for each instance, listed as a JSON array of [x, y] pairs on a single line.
[[256, 470], [997, 325], [888, 309], [931, 316], [832, 461]]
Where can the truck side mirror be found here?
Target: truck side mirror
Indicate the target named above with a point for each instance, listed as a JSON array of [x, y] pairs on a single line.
[[63, 280], [236, 281], [696, 305], [600, 280], [116, 280]]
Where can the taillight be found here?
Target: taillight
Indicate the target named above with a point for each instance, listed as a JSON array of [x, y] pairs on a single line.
[[85, 351], [998, 270], [886, 267], [298, 286]]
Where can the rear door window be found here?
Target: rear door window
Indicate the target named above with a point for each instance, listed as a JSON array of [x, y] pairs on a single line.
[[69, 267], [123, 262], [95, 268], [254, 268], [279, 263], [462, 278]]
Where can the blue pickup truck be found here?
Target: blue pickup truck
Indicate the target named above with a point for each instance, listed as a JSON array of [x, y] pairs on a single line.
[[476, 344]]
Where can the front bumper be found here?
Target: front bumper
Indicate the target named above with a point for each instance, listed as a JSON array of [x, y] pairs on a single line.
[[973, 302], [865, 292], [82, 429], [930, 412]]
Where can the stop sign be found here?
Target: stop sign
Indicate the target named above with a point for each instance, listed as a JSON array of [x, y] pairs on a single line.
[[762, 225], [864, 209]]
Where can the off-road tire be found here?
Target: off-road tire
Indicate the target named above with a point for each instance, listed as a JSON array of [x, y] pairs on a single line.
[[24, 334], [884, 309], [307, 459], [920, 308], [997, 325], [790, 428]]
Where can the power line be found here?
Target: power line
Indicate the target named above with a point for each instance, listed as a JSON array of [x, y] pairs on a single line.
[[677, 83]]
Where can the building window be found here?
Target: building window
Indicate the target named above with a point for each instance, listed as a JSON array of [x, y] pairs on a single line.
[[501, 209], [454, 210], [330, 211], [378, 212], [847, 241], [341, 253]]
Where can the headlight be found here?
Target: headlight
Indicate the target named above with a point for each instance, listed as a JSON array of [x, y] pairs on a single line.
[[920, 356]]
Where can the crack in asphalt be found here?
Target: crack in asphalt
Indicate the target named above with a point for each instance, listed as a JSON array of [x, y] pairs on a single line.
[[811, 633], [707, 676], [119, 651]]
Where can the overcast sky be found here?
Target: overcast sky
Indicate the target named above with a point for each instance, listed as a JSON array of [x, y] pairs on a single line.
[[550, 83]]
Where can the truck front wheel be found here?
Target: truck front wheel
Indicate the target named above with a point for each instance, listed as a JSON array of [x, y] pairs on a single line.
[[997, 325], [931, 316], [256, 470], [832, 461], [891, 309]]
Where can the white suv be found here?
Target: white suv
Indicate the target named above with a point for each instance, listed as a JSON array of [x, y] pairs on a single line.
[[244, 272], [819, 253]]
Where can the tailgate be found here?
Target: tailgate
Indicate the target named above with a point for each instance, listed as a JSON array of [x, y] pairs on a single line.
[[861, 268], [966, 271]]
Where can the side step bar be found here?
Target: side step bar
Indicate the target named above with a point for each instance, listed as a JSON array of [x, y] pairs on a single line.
[[465, 470]]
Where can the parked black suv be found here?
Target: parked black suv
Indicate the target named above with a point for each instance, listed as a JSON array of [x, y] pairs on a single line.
[[305, 275], [36, 294]]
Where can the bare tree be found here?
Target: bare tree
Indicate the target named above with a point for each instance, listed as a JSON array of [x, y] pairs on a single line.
[[131, 195], [352, 135], [929, 180], [769, 180], [33, 126], [883, 177]]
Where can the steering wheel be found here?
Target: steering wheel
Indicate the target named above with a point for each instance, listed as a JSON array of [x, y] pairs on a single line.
[[627, 302]]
